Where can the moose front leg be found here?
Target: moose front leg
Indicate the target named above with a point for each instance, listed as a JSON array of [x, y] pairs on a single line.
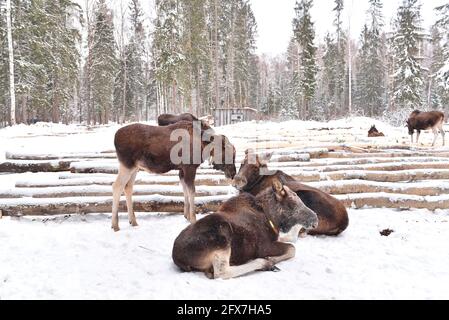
[[222, 268], [129, 201], [279, 251], [124, 176]]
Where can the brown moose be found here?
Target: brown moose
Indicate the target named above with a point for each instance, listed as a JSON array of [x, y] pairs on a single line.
[[167, 119], [374, 133], [149, 148], [243, 236], [420, 121], [254, 176]]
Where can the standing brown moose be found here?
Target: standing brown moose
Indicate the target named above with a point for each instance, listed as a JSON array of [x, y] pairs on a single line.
[[420, 121], [254, 176], [243, 236], [149, 148]]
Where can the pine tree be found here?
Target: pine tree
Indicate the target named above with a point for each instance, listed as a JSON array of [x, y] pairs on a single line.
[[408, 75], [371, 76], [339, 60], [442, 76], [104, 63], [304, 33], [135, 65]]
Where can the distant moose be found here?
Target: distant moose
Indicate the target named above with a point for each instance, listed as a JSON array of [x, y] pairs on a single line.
[[167, 119], [420, 121], [243, 236], [374, 133], [254, 176], [149, 148]]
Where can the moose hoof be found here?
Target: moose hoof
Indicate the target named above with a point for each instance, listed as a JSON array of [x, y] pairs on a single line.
[[115, 228], [133, 224]]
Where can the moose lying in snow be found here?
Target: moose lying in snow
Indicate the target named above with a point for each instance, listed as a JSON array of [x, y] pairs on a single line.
[[420, 121], [374, 133], [243, 236], [254, 176], [142, 147]]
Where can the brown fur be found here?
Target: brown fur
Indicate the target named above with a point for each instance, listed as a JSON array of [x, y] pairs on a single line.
[[332, 215], [421, 121], [142, 147], [374, 133], [240, 233], [168, 119]]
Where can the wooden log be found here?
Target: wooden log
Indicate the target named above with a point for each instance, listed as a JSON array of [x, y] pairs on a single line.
[[394, 201], [345, 155], [380, 167], [107, 181], [381, 176], [206, 180], [44, 207], [19, 166], [358, 186], [47, 157], [105, 191]]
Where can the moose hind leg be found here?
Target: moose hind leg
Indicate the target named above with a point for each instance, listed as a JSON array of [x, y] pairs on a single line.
[[223, 270], [189, 180], [435, 133], [124, 175], [185, 191], [129, 201]]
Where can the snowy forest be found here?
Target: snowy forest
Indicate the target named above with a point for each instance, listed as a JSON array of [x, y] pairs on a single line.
[[92, 62]]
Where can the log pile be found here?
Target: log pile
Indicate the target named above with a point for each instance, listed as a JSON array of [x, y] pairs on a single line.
[[393, 177]]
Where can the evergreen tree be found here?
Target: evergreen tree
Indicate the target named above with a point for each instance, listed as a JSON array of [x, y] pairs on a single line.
[[305, 36], [339, 61], [442, 75], [408, 73], [135, 64], [104, 67], [371, 87]]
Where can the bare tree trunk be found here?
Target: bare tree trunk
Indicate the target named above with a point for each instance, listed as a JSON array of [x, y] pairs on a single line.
[[24, 109], [217, 58], [12, 89], [123, 117]]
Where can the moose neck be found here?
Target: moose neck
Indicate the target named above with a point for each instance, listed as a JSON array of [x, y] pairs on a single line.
[[266, 201]]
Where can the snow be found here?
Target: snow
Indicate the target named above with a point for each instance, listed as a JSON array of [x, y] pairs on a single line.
[[80, 258]]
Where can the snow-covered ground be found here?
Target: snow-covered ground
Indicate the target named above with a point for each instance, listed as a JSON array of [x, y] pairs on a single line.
[[79, 257]]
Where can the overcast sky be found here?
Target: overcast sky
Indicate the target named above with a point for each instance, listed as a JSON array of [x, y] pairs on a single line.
[[274, 19]]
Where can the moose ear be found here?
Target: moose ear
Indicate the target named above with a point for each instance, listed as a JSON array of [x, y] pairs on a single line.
[[278, 188], [265, 159]]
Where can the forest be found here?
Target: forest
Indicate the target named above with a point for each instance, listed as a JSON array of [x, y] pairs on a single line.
[[93, 62]]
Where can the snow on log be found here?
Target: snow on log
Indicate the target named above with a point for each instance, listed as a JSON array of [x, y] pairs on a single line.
[[155, 203], [427, 188], [380, 167], [46, 157], [21, 166], [394, 201], [347, 155], [100, 191], [384, 176], [207, 180]]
